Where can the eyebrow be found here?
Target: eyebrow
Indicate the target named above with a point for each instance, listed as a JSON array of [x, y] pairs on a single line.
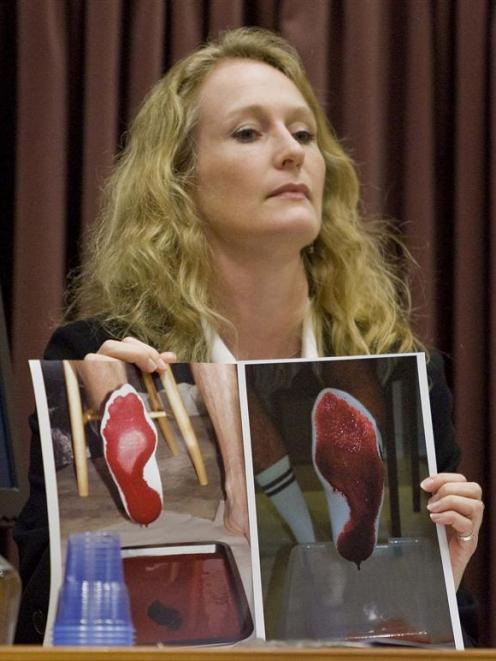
[[258, 109]]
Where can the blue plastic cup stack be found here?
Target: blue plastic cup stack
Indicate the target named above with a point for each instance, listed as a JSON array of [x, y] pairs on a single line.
[[93, 606]]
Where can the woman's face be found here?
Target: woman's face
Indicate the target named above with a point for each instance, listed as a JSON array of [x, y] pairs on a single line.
[[260, 173]]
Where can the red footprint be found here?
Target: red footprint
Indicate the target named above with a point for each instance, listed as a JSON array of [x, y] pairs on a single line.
[[129, 445], [346, 457]]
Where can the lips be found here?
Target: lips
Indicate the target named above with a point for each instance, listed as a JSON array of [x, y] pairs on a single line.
[[295, 191]]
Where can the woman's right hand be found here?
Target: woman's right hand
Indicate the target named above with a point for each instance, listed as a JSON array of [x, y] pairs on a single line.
[[131, 350]]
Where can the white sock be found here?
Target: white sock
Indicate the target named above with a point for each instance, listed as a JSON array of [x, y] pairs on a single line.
[[279, 484]]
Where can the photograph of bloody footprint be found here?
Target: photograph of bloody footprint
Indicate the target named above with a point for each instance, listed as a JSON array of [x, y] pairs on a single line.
[[129, 447], [338, 450], [346, 455], [142, 456]]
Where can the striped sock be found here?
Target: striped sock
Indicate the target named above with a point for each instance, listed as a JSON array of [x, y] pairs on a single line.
[[279, 484]]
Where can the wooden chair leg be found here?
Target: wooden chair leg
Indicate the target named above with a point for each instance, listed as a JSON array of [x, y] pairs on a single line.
[[392, 468], [163, 423], [411, 412], [77, 427], [184, 423]]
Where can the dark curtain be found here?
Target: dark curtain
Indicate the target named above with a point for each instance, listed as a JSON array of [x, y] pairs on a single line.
[[410, 87]]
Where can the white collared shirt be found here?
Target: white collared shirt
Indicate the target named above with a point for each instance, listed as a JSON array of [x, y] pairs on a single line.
[[219, 353]]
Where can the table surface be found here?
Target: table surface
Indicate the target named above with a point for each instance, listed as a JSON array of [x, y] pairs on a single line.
[[267, 653]]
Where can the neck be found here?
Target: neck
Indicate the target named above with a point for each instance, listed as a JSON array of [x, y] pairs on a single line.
[[265, 301]]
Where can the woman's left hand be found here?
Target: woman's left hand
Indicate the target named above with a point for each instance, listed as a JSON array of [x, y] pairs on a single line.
[[458, 505]]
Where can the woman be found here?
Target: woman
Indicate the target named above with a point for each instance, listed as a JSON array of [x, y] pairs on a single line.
[[231, 230]]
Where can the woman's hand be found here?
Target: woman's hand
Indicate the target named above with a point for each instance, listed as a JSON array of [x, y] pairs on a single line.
[[131, 350], [458, 505], [100, 383]]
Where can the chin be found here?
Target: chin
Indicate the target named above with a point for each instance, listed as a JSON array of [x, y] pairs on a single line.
[[288, 232], [305, 230]]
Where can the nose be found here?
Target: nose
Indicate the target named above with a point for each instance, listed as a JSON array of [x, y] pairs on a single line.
[[289, 152]]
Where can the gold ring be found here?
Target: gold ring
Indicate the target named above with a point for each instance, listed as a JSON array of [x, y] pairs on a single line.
[[466, 538]]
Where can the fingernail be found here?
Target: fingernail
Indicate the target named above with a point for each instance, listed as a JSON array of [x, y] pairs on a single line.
[[160, 364], [432, 507], [427, 483], [436, 517]]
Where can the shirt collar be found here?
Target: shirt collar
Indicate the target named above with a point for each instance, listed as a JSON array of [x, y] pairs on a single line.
[[219, 353]]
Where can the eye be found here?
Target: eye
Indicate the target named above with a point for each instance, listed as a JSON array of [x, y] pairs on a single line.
[[303, 136], [246, 134]]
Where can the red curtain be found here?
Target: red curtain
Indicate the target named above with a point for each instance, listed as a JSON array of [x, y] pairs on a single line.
[[410, 87]]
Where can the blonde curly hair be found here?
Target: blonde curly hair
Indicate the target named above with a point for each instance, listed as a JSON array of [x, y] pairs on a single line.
[[148, 268]]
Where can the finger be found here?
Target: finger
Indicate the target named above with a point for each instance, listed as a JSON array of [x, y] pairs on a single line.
[[134, 340], [168, 357], [466, 489], [142, 355], [163, 358], [435, 482], [461, 524], [97, 356], [458, 522], [468, 507], [469, 516]]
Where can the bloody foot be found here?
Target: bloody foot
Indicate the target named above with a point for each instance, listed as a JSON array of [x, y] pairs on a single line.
[[346, 457], [129, 445]]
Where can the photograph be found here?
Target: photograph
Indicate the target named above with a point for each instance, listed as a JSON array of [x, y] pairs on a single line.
[[146, 458], [338, 450]]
